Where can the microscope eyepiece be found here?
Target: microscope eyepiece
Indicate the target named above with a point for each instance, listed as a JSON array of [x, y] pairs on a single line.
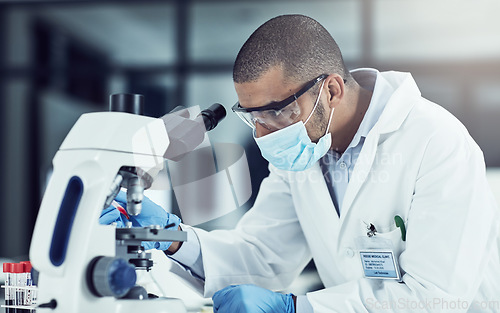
[[127, 102], [213, 115]]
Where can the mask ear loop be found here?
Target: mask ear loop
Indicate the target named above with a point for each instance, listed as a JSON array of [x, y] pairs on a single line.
[[315, 104], [329, 121]]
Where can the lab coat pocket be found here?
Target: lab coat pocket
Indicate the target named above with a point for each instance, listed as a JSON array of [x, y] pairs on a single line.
[[395, 236]]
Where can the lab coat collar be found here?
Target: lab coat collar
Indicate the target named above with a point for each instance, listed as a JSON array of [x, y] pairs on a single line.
[[399, 85], [371, 79], [405, 95]]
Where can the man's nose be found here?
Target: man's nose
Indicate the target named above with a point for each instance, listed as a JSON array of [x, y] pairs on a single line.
[[261, 130]]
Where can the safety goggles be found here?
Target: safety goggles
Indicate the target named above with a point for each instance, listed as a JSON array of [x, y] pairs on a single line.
[[275, 115]]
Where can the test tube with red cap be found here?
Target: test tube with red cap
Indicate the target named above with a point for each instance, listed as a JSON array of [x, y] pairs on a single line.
[[19, 281], [9, 291], [28, 294]]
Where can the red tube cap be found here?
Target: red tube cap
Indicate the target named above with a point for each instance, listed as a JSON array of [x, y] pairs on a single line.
[[7, 267], [17, 268], [27, 266]]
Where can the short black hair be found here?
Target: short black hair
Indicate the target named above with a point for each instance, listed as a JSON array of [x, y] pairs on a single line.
[[297, 43]]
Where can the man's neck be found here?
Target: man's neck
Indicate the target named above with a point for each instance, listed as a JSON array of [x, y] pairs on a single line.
[[352, 114]]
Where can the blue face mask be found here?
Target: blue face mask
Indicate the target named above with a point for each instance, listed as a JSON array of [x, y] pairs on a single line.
[[291, 148]]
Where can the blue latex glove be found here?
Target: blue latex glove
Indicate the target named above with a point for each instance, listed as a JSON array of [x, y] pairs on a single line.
[[151, 214], [251, 299]]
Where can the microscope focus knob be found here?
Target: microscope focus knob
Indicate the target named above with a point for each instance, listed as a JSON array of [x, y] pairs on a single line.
[[110, 277]]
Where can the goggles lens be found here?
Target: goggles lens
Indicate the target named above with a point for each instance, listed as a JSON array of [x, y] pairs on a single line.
[[272, 119]]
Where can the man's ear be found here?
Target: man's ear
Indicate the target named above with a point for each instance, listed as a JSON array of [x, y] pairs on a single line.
[[334, 83]]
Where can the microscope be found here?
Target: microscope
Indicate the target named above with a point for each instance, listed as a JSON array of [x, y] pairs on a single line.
[[87, 267]]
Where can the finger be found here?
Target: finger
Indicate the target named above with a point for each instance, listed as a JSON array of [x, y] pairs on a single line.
[[217, 302], [173, 219], [109, 216], [222, 296], [163, 245], [121, 197], [148, 245], [136, 221], [107, 210]]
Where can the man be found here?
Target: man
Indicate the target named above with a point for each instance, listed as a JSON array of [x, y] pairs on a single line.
[[383, 189]]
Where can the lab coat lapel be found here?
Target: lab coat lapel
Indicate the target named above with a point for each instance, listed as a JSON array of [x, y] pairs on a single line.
[[327, 205], [322, 213], [318, 198]]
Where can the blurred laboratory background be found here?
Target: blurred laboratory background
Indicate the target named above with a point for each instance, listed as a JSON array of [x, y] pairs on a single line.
[[59, 59]]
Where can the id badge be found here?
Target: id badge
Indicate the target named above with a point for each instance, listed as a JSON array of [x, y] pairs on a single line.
[[377, 258]]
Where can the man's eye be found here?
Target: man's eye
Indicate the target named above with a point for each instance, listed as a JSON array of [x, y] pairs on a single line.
[[269, 114]]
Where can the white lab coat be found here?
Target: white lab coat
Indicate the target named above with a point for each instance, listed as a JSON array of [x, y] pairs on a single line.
[[418, 162]]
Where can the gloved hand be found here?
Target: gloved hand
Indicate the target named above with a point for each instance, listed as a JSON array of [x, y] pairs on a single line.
[[151, 214], [251, 299]]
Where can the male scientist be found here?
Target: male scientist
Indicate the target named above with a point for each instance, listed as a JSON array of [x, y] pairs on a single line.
[[383, 189]]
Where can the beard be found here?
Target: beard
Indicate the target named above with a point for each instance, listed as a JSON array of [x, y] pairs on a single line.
[[319, 123]]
